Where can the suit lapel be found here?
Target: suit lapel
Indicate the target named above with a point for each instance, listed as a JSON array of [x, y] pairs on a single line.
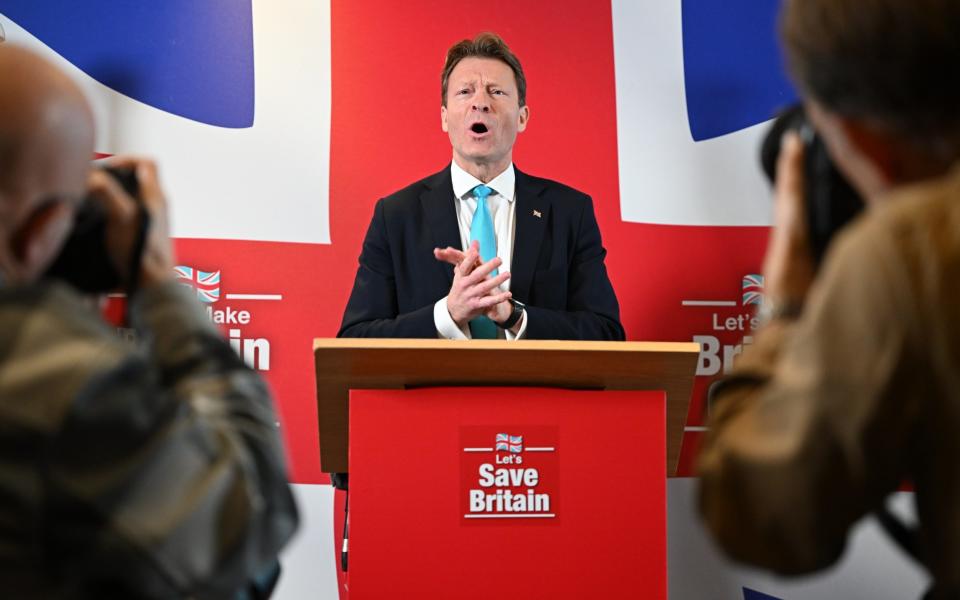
[[533, 210], [437, 204]]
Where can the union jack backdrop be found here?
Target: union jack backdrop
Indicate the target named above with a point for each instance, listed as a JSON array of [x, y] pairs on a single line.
[[277, 125]]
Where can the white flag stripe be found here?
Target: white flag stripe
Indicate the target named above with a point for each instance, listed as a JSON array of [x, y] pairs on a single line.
[[666, 177], [269, 182], [254, 297]]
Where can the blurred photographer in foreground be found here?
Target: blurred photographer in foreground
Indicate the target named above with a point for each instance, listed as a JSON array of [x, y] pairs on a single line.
[[125, 471], [853, 385]]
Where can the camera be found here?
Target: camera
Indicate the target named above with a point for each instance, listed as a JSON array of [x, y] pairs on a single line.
[[830, 200], [83, 261]]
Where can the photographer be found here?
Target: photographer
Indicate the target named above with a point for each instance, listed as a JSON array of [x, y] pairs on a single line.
[[853, 385], [125, 471]]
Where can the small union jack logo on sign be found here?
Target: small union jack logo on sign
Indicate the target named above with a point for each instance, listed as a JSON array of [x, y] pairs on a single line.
[[752, 289], [509, 443], [206, 284]]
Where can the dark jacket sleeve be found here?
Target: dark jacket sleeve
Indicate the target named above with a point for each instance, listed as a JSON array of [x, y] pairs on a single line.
[[372, 310], [168, 474], [592, 311]]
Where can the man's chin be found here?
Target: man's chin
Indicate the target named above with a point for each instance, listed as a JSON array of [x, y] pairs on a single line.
[[478, 158]]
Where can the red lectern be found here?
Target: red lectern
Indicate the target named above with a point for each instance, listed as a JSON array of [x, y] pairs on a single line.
[[555, 489]]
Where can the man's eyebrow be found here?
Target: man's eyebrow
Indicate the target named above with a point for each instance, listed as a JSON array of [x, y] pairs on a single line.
[[489, 83], [486, 84]]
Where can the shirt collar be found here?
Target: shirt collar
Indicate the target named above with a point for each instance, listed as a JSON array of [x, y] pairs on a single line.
[[504, 183]]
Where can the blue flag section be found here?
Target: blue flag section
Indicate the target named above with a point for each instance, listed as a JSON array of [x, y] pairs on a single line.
[[749, 594], [733, 67], [192, 59]]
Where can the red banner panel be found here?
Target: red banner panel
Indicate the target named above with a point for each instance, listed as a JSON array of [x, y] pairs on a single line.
[[475, 492]]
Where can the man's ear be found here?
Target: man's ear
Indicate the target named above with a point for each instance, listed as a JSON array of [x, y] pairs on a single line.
[[524, 117], [38, 241], [443, 119], [861, 152]]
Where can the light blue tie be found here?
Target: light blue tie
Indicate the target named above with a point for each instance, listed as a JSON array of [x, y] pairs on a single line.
[[481, 230]]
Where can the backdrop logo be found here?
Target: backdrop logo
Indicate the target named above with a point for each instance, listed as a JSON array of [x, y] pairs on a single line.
[[732, 324], [501, 478], [509, 443], [207, 285], [732, 65], [752, 286], [255, 351]]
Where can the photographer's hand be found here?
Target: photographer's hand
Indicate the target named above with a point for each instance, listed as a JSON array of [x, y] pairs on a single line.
[[157, 261], [788, 268]]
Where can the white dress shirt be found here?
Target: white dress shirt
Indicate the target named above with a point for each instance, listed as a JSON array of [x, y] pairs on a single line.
[[503, 207]]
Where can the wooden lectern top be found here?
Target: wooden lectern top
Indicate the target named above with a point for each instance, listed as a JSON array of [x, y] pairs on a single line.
[[369, 363]]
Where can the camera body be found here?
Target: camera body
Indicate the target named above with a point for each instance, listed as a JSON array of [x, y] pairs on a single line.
[[830, 200], [83, 261]]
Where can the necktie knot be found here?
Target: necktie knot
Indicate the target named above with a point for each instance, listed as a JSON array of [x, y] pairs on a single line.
[[481, 192]]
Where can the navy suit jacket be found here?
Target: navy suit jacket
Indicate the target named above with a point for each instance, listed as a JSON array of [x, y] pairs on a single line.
[[557, 268]]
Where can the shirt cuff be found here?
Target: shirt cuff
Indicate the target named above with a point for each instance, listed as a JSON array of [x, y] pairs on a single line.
[[520, 332], [446, 327]]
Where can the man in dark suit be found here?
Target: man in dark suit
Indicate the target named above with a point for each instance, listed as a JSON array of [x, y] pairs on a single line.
[[480, 249]]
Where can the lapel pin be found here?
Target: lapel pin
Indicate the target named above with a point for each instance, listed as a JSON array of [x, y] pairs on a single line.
[[537, 214]]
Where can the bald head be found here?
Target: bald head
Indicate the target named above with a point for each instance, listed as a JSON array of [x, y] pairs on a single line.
[[46, 126], [46, 140]]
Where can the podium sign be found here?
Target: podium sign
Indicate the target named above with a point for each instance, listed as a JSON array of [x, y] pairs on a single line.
[[518, 492], [509, 472]]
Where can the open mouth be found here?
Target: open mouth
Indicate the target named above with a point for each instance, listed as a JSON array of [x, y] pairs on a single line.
[[478, 128]]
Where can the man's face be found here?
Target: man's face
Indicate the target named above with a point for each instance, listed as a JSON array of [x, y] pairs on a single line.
[[483, 114]]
